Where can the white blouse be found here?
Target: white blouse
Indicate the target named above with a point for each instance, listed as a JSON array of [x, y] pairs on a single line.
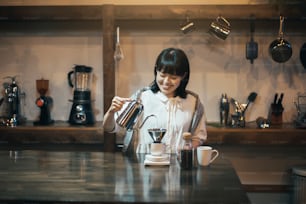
[[173, 114]]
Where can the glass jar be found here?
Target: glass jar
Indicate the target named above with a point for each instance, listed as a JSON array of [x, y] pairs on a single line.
[[186, 152]]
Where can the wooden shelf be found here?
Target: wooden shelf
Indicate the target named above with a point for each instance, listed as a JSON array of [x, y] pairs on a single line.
[[63, 133], [251, 135], [60, 132]]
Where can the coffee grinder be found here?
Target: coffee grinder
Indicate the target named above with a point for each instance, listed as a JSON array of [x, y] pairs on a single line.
[[81, 112], [44, 103]]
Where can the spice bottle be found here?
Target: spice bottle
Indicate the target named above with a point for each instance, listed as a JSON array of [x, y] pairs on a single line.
[[186, 152], [224, 109]]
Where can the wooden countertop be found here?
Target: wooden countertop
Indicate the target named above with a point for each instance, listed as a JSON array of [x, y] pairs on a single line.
[[275, 135], [64, 133], [77, 177]]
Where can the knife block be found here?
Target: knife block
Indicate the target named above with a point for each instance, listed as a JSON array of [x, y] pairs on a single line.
[[276, 114]]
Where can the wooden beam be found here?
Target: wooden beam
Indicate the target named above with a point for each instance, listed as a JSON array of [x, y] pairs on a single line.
[[173, 12], [108, 68], [154, 12]]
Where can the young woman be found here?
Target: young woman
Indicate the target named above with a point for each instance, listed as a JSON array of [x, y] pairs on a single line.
[[175, 108]]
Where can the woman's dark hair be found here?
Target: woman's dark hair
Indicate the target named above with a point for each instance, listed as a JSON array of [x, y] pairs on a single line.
[[172, 61]]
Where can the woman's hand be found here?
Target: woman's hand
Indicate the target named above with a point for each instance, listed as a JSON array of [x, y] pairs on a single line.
[[117, 103]]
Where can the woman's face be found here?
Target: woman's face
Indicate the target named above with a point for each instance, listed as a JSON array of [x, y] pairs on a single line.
[[168, 83]]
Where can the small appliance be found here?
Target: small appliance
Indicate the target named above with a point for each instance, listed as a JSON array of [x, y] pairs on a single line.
[[300, 104], [81, 112], [11, 103], [44, 103]]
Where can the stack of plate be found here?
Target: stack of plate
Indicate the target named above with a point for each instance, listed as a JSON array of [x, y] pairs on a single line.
[[157, 160]]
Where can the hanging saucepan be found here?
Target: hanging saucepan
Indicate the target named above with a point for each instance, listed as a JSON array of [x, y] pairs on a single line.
[[303, 55], [252, 47], [280, 49]]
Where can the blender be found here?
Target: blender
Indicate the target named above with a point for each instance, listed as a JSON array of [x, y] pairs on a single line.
[[44, 103], [81, 111]]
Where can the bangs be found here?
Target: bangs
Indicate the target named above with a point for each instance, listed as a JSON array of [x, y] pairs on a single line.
[[171, 68]]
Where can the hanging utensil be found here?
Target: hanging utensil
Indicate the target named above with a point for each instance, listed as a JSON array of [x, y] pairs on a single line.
[[280, 49], [251, 98], [252, 47], [220, 28], [1, 101], [188, 26], [118, 55], [303, 55]]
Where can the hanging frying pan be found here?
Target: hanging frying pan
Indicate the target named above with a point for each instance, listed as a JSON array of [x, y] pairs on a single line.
[[280, 49], [252, 47], [303, 55]]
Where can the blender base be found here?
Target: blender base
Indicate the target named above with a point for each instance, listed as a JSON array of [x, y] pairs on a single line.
[[81, 114]]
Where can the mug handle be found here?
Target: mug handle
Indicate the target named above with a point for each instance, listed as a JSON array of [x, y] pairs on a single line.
[[214, 151], [224, 20]]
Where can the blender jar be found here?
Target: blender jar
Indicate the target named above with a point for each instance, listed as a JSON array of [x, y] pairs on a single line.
[[82, 78]]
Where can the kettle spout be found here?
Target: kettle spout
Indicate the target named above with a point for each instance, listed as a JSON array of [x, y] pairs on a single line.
[[145, 120]]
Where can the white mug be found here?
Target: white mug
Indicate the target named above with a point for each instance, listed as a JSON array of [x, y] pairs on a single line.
[[157, 149], [206, 155]]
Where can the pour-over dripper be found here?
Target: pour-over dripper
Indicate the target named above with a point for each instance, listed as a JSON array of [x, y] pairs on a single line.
[[157, 134]]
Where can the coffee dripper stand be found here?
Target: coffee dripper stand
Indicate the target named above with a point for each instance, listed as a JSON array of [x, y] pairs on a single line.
[[44, 103], [157, 134]]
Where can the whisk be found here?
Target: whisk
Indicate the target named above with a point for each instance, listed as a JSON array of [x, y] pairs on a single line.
[[118, 55]]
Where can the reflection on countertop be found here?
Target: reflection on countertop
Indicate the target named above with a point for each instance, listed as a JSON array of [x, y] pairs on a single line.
[[85, 176]]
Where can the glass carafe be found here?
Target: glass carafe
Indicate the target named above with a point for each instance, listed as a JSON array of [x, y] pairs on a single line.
[[186, 152]]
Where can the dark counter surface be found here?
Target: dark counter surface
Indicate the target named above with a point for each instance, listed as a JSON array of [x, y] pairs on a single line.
[[77, 176]]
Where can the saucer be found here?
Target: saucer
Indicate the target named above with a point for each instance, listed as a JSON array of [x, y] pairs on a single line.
[[151, 163], [160, 158]]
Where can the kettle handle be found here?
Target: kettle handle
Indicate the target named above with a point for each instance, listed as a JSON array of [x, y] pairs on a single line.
[[221, 18], [69, 78]]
